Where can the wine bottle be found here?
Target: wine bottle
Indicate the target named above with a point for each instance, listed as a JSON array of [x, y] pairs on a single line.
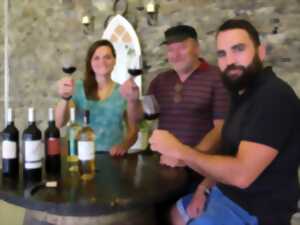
[[32, 150], [86, 149], [10, 148], [72, 132], [52, 146]]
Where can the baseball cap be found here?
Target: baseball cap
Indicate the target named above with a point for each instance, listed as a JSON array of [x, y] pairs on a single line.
[[179, 33]]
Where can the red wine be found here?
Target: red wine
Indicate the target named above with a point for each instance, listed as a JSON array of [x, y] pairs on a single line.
[[10, 148], [135, 72], [52, 146], [69, 70], [32, 150], [151, 116]]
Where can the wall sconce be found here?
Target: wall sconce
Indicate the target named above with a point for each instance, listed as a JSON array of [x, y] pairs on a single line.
[[85, 20], [87, 23], [151, 9]]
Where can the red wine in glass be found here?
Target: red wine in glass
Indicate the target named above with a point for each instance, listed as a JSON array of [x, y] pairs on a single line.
[[69, 69], [151, 107], [135, 65], [151, 116], [135, 72]]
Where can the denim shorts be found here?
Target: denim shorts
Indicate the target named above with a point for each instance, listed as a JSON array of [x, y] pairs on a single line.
[[218, 210]]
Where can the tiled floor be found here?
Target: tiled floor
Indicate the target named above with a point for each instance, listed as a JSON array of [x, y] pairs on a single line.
[[296, 219], [11, 215]]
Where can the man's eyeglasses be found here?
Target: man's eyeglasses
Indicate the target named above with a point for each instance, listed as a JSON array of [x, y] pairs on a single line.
[[178, 97]]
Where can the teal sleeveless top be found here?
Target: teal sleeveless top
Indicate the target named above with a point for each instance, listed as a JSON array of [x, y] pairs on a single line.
[[106, 117]]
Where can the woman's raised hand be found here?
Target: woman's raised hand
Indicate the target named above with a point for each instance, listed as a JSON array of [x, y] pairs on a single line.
[[66, 87], [129, 90]]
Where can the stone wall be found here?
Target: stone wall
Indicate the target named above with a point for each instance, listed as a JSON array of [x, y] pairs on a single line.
[[44, 34]]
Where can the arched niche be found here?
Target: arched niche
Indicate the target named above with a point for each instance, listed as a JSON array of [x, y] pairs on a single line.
[[125, 40]]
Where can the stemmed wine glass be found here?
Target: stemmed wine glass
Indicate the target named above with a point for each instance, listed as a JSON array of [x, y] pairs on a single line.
[[151, 113], [68, 66], [68, 69], [151, 107], [135, 65]]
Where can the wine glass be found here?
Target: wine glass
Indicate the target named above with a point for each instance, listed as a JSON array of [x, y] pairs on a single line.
[[151, 107], [135, 65], [68, 65], [69, 69], [151, 113]]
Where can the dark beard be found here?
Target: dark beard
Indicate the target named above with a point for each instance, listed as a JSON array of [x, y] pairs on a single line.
[[247, 77]]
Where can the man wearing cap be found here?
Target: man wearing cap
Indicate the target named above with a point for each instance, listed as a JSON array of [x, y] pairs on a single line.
[[256, 167], [191, 95]]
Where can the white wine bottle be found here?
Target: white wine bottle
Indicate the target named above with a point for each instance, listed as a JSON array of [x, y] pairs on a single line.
[[86, 149], [72, 133]]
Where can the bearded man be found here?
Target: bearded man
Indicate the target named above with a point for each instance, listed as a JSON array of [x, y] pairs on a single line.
[[252, 179]]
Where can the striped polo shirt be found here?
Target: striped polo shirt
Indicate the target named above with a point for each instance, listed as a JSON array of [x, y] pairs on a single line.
[[187, 109]]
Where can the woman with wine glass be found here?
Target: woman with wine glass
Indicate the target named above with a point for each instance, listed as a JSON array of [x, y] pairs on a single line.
[[99, 94]]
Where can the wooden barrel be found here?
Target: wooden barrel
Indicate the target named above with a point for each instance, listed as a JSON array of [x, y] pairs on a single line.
[[128, 217], [124, 191]]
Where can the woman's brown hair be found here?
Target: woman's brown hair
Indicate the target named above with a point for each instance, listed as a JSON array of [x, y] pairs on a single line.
[[89, 82]]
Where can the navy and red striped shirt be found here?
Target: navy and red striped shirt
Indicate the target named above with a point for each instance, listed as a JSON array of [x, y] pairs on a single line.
[[202, 98]]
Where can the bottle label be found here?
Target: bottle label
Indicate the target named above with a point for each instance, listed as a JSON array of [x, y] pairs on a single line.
[[33, 154], [86, 150], [9, 149], [72, 146], [53, 146]]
